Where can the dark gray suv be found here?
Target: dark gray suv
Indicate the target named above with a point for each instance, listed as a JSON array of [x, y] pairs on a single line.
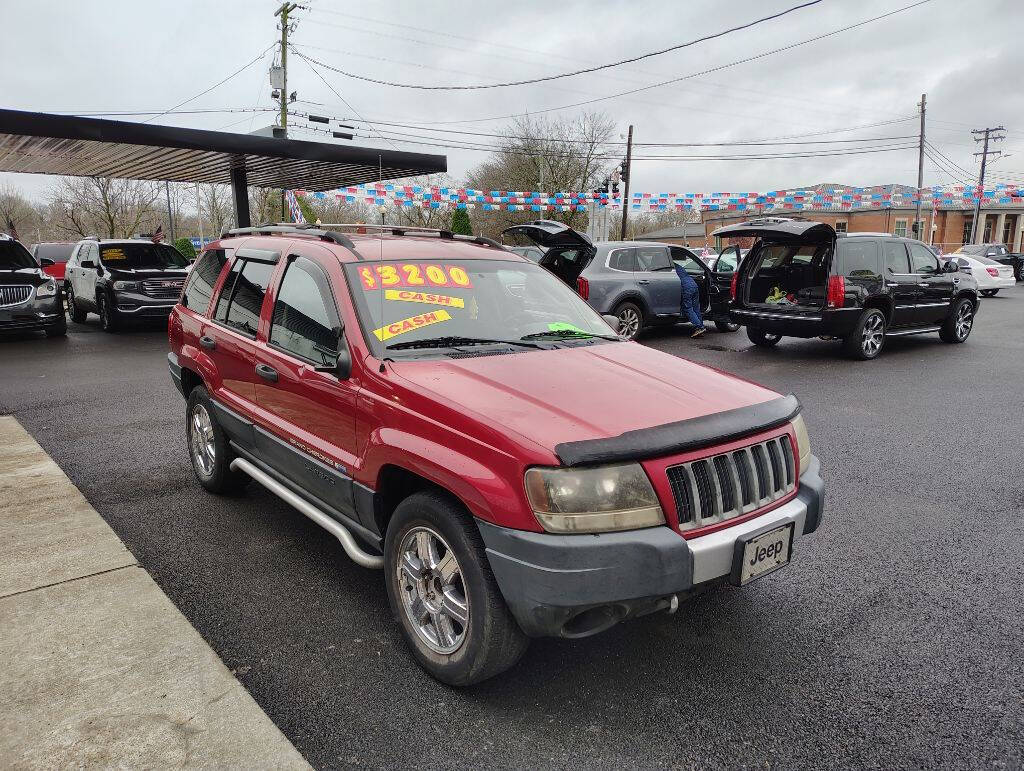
[[635, 281]]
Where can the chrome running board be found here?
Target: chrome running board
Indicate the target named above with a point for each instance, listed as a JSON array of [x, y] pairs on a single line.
[[913, 331], [328, 523]]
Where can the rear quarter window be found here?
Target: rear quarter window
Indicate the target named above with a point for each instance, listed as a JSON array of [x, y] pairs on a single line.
[[202, 279], [859, 259]]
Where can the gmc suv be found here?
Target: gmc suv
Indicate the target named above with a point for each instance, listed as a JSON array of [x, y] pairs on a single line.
[[123, 280], [456, 415], [802, 279]]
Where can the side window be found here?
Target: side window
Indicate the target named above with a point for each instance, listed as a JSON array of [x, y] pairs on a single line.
[[689, 263], [247, 297], [1000, 251], [653, 258], [199, 288], [726, 263], [922, 260], [895, 254], [859, 259], [622, 259], [305, 319], [224, 299]]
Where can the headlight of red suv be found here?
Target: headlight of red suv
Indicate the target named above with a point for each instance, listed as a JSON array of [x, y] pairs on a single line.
[[593, 500]]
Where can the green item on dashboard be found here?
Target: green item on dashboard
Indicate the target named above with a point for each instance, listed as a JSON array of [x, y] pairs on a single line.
[[562, 326]]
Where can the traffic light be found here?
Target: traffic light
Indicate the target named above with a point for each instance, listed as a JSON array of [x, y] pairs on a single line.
[[615, 188], [624, 171]]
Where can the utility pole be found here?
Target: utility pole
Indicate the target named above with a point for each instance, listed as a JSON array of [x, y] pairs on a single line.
[[983, 135], [625, 178], [170, 214], [920, 174], [199, 214], [283, 12]]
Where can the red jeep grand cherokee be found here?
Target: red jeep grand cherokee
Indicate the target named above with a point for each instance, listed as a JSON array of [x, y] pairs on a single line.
[[453, 413]]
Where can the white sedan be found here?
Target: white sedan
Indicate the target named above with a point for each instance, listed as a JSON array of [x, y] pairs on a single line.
[[990, 275]]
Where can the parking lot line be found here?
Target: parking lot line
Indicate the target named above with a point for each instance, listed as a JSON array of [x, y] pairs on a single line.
[[100, 668]]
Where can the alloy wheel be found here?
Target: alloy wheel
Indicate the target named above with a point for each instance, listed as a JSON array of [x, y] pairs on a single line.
[[204, 452], [629, 322], [433, 591], [872, 335], [964, 320]]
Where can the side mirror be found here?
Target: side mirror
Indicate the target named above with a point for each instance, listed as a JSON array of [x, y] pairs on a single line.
[[342, 368], [45, 262], [613, 322], [88, 264], [952, 266]]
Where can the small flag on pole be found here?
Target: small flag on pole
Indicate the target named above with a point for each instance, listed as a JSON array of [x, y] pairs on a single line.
[[293, 207], [158, 235]]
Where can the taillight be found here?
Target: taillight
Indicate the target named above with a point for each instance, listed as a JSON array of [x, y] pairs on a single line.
[[583, 288], [732, 286], [835, 297], [993, 272]]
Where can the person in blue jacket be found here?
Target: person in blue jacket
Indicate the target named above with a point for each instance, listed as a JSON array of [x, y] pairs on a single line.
[[690, 300]]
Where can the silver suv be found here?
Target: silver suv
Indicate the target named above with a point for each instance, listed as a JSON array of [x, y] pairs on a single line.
[[635, 281]]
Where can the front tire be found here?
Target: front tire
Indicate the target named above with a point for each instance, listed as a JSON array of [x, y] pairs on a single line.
[[762, 338], [208, 446], [868, 336], [108, 316], [726, 326], [631, 320], [443, 593], [77, 314], [958, 325], [989, 292]]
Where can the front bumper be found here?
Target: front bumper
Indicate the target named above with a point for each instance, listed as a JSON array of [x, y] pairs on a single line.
[[33, 314], [138, 305], [576, 585]]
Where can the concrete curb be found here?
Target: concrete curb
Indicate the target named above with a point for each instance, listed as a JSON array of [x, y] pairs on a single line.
[[100, 668]]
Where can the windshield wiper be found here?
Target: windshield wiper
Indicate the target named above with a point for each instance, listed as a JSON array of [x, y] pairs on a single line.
[[565, 334], [454, 341]]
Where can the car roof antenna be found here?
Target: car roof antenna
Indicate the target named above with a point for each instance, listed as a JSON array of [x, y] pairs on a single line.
[[380, 250]]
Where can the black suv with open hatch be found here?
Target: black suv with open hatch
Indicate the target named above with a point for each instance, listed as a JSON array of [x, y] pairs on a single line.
[[802, 279]]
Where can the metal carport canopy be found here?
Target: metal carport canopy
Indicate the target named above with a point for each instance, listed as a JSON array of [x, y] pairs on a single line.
[[43, 143]]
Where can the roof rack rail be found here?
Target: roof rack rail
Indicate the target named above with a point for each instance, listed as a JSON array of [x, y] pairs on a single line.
[[328, 231]]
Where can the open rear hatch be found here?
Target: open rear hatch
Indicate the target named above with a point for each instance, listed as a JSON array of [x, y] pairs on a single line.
[[568, 251], [787, 269]]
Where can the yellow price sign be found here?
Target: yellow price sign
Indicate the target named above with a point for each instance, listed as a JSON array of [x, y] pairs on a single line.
[[428, 298], [113, 254], [411, 324]]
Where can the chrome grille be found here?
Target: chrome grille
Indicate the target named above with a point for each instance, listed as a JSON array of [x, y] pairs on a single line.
[[163, 288], [14, 294], [720, 487]]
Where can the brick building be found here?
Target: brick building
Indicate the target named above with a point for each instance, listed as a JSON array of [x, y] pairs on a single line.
[[950, 227], [690, 234]]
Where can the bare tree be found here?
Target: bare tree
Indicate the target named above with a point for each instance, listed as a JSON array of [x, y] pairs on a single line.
[[16, 212], [548, 155], [113, 208], [215, 207]]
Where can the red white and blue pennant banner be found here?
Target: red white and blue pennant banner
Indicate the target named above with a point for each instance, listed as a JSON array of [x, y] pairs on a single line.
[[380, 194]]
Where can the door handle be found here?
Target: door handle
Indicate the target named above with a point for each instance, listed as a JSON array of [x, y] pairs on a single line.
[[266, 372], [891, 284], [643, 281], [924, 284], [207, 342]]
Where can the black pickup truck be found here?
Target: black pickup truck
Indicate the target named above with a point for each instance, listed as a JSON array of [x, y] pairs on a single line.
[[999, 253]]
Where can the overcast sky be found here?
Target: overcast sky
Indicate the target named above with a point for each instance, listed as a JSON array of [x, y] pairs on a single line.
[[967, 56]]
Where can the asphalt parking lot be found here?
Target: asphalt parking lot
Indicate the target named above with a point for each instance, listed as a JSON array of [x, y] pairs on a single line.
[[893, 640]]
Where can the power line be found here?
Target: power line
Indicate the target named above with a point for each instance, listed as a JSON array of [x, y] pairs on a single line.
[[582, 71], [718, 68], [215, 85], [730, 93], [344, 101]]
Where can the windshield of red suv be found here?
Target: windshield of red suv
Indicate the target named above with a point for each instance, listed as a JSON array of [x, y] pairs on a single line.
[[141, 256], [423, 304]]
